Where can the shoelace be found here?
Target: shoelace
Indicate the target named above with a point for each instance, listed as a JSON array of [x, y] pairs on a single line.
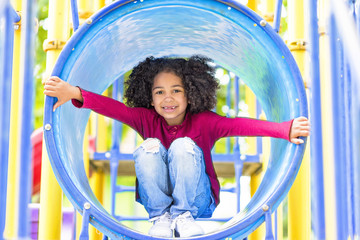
[[181, 219], [162, 218]]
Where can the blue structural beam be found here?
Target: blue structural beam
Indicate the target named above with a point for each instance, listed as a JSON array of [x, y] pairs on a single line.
[[345, 49], [25, 182], [277, 15], [6, 56], [317, 174], [74, 14], [126, 32]]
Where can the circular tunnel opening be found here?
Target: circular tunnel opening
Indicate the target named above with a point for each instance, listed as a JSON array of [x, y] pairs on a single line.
[[126, 32]]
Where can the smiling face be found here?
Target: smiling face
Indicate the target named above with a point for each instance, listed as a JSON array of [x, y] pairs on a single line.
[[169, 98]]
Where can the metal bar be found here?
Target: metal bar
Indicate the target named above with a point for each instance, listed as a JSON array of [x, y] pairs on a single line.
[[84, 235], [316, 149], [269, 234], [6, 58], [14, 15], [216, 157], [355, 133], [349, 149], [277, 15], [135, 218], [26, 125], [357, 15], [114, 163], [228, 103], [348, 31], [335, 73], [75, 14]]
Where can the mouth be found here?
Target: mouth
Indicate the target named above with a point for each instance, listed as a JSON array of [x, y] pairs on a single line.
[[169, 108]]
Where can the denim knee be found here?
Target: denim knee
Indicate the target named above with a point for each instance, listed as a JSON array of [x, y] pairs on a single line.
[[185, 151], [149, 155]]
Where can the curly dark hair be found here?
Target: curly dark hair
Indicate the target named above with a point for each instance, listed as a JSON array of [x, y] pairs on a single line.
[[197, 76]]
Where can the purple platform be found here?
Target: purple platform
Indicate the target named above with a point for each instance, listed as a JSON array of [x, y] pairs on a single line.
[[68, 219]]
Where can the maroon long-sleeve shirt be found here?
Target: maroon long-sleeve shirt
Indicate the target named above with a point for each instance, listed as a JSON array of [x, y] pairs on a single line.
[[203, 128]]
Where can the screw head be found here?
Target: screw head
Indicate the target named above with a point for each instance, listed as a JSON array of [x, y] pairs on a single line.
[[87, 205], [47, 127], [89, 21], [265, 208], [263, 23], [107, 155]]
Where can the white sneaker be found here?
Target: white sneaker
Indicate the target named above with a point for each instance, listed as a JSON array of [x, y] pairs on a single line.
[[162, 226], [185, 226]]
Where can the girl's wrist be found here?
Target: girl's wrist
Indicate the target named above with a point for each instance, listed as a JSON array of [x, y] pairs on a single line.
[[76, 94]]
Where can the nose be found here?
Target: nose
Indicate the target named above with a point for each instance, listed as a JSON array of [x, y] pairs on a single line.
[[168, 97]]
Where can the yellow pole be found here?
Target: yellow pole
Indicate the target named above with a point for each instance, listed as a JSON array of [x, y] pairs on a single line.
[[299, 196], [97, 178], [86, 166], [253, 5], [328, 124], [50, 217], [269, 7], [85, 10], [98, 4], [259, 233], [12, 209]]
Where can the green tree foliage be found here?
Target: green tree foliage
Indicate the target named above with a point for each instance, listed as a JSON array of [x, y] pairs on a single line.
[[40, 62]]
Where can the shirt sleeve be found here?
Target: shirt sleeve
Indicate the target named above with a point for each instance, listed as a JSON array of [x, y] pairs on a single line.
[[112, 108], [228, 127]]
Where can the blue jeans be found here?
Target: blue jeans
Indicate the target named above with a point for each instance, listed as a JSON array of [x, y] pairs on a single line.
[[173, 180]]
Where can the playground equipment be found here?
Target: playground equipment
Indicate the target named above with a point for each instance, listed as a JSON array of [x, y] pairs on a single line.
[[133, 24], [252, 44]]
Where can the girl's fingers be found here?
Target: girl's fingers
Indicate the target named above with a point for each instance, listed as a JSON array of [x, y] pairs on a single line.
[[55, 79], [50, 83], [56, 105], [297, 140]]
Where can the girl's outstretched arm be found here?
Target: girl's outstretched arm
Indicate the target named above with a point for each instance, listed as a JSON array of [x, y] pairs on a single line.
[[299, 128], [63, 91]]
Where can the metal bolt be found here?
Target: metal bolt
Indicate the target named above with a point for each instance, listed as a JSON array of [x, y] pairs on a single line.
[[229, 8], [265, 208], [242, 157], [107, 155], [263, 23], [87, 205], [48, 127], [89, 21]]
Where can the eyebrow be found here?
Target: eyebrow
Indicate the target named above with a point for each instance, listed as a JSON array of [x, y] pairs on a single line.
[[173, 86]]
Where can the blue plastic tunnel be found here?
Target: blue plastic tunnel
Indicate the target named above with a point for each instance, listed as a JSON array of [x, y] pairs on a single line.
[[116, 38]]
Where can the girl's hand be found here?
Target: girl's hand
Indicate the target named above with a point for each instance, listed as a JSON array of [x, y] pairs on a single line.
[[63, 91], [299, 128]]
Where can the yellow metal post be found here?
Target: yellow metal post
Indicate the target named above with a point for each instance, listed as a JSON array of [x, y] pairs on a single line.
[[12, 209], [51, 195], [328, 124], [87, 167], [253, 4], [259, 233], [97, 178], [299, 195], [98, 4]]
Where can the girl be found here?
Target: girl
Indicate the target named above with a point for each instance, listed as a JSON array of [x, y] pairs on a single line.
[[169, 104]]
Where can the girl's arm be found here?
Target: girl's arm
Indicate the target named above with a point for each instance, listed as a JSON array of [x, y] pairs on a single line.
[[290, 130], [63, 91], [55, 87]]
